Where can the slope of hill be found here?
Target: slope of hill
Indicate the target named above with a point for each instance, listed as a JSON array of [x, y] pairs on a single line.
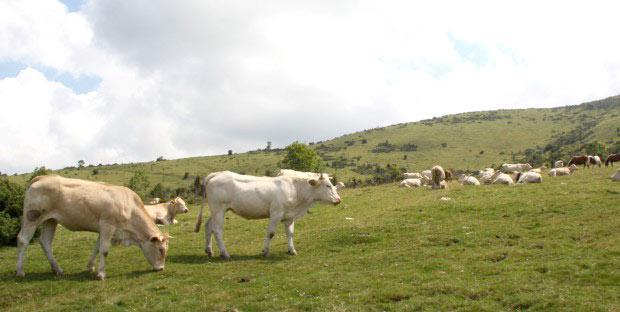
[[465, 141]]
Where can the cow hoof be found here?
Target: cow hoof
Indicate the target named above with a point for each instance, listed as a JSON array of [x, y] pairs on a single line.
[[60, 273], [100, 276], [209, 253], [20, 274], [292, 252], [265, 254], [225, 257]]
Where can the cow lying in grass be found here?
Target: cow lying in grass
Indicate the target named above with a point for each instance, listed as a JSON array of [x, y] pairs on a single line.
[[281, 199], [80, 205]]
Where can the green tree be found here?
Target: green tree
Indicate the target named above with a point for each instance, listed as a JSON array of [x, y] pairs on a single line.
[[302, 158], [81, 164], [139, 183]]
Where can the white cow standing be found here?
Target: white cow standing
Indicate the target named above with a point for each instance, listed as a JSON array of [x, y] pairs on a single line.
[[281, 199]]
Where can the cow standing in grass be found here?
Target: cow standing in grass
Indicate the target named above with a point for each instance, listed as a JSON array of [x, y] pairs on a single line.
[[281, 199], [611, 159], [78, 205]]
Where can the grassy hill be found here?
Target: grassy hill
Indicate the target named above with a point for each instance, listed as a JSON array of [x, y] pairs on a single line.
[[547, 247], [465, 141]]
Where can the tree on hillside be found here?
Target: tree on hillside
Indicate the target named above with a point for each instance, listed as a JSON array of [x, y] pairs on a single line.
[[39, 171], [139, 183], [268, 148], [81, 164], [302, 158]]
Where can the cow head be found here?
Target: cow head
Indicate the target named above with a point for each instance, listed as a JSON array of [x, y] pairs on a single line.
[[572, 167], [324, 190], [155, 250], [527, 167], [178, 205]]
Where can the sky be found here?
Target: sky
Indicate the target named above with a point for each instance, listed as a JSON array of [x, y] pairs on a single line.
[[115, 81]]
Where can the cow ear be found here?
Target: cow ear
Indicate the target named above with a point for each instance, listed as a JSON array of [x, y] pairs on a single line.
[[155, 239], [313, 182]]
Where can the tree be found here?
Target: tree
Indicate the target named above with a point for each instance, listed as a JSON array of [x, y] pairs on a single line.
[[302, 158], [229, 152], [268, 148], [160, 158], [81, 164], [139, 183], [39, 171]]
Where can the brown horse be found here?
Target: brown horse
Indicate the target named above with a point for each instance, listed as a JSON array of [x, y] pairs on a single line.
[[579, 160], [611, 158]]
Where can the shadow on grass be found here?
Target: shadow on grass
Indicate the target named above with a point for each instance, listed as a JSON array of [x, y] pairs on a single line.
[[198, 258], [77, 276]]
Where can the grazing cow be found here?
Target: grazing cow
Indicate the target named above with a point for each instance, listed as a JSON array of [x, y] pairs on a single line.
[[579, 160], [165, 213], [468, 180], [508, 168], [529, 177], [558, 164], [562, 171], [412, 175], [611, 159], [410, 183], [80, 205], [438, 175], [501, 178], [340, 185], [486, 175], [154, 201], [281, 199], [616, 176]]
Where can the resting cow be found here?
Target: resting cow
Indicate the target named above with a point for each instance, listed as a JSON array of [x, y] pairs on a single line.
[[508, 168], [412, 175], [529, 177], [165, 213], [468, 180], [501, 178], [410, 183], [562, 171], [79, 205], [281, 199]]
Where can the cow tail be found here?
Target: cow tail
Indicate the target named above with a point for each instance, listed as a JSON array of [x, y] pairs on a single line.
[[203, 199]]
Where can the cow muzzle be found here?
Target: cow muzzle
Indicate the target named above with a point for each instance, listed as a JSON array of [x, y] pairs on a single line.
[[185, 210], [336, 202], [158, 269]]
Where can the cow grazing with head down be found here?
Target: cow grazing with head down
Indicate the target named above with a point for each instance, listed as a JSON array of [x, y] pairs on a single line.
[[579, 160], [280, 199], [594, 160], [611, 159], [438, 178], [165, 213], [78, 205]]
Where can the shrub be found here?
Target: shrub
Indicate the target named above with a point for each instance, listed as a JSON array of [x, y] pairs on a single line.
[[139, 183], [95, 171], [11, 203]]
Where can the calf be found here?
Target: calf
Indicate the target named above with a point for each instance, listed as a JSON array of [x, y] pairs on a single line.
[[165, 213], [410, 183]]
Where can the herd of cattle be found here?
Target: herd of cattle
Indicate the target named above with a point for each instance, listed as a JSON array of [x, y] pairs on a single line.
[[506, 174], [120, 217]]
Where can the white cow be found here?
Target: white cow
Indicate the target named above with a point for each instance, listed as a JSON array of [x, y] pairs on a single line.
[[410, 183], [501, 178], [80, 205], [281, 199], [507, 168], [412, 175], [529, 177], [558, 164], [562, 171], [468, 180], [427, 176], [616, 176], [486, 175], [165, 213]]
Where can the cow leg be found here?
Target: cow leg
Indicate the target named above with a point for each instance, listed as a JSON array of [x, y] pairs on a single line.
[[289, 227], [91, 261], [105, 240], [217, 226], [48, 229], [208, 240], [274, 219], [23, 239]]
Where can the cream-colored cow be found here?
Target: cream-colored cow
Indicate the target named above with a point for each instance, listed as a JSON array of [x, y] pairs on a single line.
[[165, 213]]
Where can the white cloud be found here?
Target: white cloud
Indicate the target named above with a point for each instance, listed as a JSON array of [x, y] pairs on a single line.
[[201, 77]]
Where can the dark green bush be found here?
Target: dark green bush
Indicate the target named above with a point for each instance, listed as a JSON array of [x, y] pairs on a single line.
[[11, 203]]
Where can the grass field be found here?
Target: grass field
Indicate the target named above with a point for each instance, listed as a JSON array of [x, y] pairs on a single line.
[[553, 246]]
